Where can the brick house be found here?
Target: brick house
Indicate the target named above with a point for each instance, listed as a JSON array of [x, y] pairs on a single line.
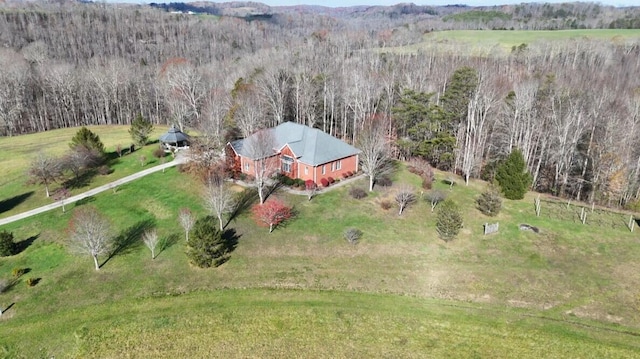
[[299, 151]]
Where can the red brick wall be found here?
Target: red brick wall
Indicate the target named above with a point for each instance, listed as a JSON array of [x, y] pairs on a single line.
[[346, 165], [286, 151]]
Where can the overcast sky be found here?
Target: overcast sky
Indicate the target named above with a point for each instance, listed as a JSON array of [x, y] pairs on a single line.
[[336, 3]]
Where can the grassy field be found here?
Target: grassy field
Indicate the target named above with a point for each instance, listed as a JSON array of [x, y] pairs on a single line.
[[500, 42], [17, 196], [572, 290]]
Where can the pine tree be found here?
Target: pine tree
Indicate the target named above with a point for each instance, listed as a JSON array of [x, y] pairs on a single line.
[[512, 176], [490, 202], [87, 139], [7, 245], [206, 246], [448, 220], [140, 130]]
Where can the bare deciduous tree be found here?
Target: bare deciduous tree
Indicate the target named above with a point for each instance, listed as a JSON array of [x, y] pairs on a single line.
[[375, 159], [61, 196], [187, 219], [259, 147], [44, 170], [151, 240], [435, 197], [89, 233], [218, 199], [404, 197]]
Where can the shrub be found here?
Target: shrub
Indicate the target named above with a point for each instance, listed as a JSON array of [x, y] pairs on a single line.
[[489, 202], [448, 220], [324, 182], [104, 170], [309, 184], [159, 152], [384, 181], [31, 282], [349, 173], [345, 175], [18, 272], [285, 180], [272, 213], [331, 180], [357, 193], [299, 182], [7, 246], [427, 183], [386, 205], [352, 235]]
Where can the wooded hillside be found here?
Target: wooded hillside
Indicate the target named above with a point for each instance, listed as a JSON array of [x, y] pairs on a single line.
[[572, 107]]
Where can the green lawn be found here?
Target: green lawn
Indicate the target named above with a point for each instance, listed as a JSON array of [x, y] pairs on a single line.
[[571, 291], [500, 42], [17, 196]]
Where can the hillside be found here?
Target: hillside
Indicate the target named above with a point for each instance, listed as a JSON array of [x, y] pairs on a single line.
[[400, 290]]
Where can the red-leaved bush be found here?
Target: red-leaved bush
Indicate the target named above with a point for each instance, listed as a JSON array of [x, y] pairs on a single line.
[[309, 184], [271, 213], [324, 182]]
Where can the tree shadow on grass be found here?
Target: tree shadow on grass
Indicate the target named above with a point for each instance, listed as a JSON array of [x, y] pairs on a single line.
[[22, 245], [129, 239], [230, 238], [81, 181], [271, 189], [85, 201], [168, 242], [10, 203], [244, 201]]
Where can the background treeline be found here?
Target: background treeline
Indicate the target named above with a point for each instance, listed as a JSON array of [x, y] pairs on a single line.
[[572, 108]]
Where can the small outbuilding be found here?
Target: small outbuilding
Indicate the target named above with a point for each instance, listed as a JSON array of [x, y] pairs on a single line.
[[174, 139]]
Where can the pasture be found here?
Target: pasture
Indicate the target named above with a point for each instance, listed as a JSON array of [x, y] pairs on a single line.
[[569, 291], [500, 42]]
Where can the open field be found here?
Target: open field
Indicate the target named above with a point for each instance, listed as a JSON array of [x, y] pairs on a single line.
[[571, 291], [500, 42], [16, 153]]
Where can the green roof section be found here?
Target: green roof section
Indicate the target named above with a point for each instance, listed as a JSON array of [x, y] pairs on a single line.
[[310, 145]]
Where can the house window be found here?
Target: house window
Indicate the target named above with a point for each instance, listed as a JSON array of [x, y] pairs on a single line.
[[324, 167], [339, 165], [306, 170], [246, 166], [287, 164], [333, 166]]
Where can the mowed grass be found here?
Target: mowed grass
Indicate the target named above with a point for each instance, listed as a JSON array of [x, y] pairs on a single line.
[[16, 154], [571, 291], [241, 323], [500, 42]]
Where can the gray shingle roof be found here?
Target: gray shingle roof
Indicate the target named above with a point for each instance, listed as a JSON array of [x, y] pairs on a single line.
[[310, 145]]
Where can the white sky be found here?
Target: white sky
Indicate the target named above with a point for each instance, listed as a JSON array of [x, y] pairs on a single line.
[[337, 3]]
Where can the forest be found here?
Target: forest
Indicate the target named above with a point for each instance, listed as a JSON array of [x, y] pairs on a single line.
[[571, 107]]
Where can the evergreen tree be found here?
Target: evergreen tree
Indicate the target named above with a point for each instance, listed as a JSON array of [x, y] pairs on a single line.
[[448, 220], [7, 246], [490, 202], [140, 130], [424, 129], [206, 246], [458, 93], [87, 139], [512, 176]]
